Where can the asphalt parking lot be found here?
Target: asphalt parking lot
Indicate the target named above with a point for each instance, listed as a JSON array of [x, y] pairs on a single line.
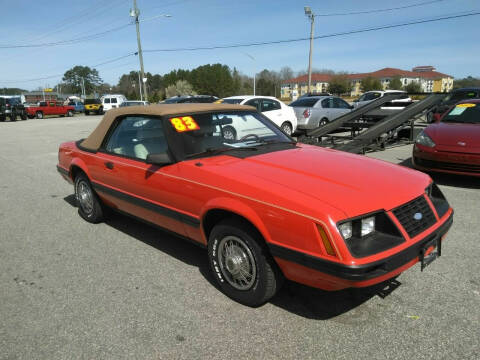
[[70, 289]]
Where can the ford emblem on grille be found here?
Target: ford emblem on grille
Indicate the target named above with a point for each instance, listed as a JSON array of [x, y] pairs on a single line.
[[418, 216]]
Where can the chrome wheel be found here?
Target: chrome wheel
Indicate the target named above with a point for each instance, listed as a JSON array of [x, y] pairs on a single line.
[[237, 263], [84, 196], [287, 129]]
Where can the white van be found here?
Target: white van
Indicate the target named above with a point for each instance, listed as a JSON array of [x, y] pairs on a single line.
[[112, 101]]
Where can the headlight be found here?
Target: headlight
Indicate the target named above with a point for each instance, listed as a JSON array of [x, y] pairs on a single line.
[[370, 234], [368, 225], [346, 229], [424, 139]]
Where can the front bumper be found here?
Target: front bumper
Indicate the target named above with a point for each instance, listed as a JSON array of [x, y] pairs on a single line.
[[446, 162], [321, 273]]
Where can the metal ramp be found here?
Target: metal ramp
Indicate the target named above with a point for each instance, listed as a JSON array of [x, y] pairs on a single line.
[[360, 143], [343, 120]]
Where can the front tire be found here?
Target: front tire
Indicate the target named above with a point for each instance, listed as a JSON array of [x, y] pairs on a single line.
[[39, 115], [87, 112], [229, 133], [241, 264], [88, 203]]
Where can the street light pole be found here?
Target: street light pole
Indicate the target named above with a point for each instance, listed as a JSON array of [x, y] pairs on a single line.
[[135, 13], [311, 16]]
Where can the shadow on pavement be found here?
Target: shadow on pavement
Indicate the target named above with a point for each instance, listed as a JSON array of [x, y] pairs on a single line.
[[318, 304], [293, 297], [463, 181]]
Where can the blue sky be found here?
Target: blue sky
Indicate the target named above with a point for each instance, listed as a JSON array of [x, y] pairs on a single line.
[[451, 45]]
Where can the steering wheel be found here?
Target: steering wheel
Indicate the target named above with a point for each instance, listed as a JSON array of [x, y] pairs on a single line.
[[243, 138]]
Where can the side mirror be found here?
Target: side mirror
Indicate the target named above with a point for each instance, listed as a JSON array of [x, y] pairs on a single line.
[[159, 159]]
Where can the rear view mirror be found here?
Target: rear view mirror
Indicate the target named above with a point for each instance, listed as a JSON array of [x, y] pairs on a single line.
[[159, 159]]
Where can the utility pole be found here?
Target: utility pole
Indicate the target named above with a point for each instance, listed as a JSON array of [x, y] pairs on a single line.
[[140, 86], [311, 16], [135, 13], [254, 70]]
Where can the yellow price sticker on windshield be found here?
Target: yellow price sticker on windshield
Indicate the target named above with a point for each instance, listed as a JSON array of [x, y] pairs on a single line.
[[466, 105], [184, 123]]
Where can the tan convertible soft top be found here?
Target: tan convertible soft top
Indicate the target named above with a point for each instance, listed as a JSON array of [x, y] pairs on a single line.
[[95, 139]]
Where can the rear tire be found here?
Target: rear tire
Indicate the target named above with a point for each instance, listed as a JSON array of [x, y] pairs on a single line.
[[24, 117], [241, 264], [39, 115], [287, 128], [88, 203], [323, 122], [87, 112], [69, 113]]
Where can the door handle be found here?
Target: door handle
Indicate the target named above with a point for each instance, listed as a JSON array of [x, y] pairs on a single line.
[[109, 165]]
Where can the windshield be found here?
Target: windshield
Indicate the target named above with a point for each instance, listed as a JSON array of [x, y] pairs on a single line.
[[464, 113], [92, 101], [232, 101], [207, 133]]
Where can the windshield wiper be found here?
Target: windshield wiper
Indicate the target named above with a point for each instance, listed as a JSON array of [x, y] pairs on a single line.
[[215, 151]]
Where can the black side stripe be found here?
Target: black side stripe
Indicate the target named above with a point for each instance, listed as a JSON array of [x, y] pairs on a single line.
[[62, 171], [161, 210]]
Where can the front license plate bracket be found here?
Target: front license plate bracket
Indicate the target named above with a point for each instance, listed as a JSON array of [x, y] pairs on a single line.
[[426, 260]]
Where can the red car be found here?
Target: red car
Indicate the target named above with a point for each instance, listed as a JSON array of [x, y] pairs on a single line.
[[452, 144], [264, 206]]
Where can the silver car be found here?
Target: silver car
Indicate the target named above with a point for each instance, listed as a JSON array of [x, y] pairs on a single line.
[[315, 111]]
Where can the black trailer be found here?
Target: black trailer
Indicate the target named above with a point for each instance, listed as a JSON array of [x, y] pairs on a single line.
[[370, 126]]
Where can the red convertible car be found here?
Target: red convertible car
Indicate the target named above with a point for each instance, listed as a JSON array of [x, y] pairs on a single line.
[[265, 207], [452, 144]]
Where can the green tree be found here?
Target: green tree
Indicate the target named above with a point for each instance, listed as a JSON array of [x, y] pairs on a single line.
[[181, 87], [370, 83], [469, 81], [395, 83], [339, 84], [82, 74], [413, 87]]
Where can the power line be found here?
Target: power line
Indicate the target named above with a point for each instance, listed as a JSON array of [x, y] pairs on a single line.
[[67, 42], [381, 10], [383, 27], [58, 75]]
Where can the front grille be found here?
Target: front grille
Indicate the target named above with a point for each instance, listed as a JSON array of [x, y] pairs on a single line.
[[405, 215], [441, 165]]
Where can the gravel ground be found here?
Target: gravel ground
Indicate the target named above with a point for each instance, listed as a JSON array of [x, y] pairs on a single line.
[[122, 290]]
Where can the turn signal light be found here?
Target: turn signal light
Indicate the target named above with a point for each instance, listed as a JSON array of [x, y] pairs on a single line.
[[326, 242]]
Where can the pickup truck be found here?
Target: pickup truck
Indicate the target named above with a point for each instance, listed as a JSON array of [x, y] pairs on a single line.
[[45, 108]]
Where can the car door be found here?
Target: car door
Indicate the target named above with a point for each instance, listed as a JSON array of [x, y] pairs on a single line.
[[327, 109], [123, 179], [340, 107], [273, 110]]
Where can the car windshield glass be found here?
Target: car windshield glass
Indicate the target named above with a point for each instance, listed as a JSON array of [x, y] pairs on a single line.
[[232, 101], [173, 100], [464, 113], [304, 102], [208, 133], [92, 101]]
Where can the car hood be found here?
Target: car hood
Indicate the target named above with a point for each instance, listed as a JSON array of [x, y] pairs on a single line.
[[455, 137], [309, 176]]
